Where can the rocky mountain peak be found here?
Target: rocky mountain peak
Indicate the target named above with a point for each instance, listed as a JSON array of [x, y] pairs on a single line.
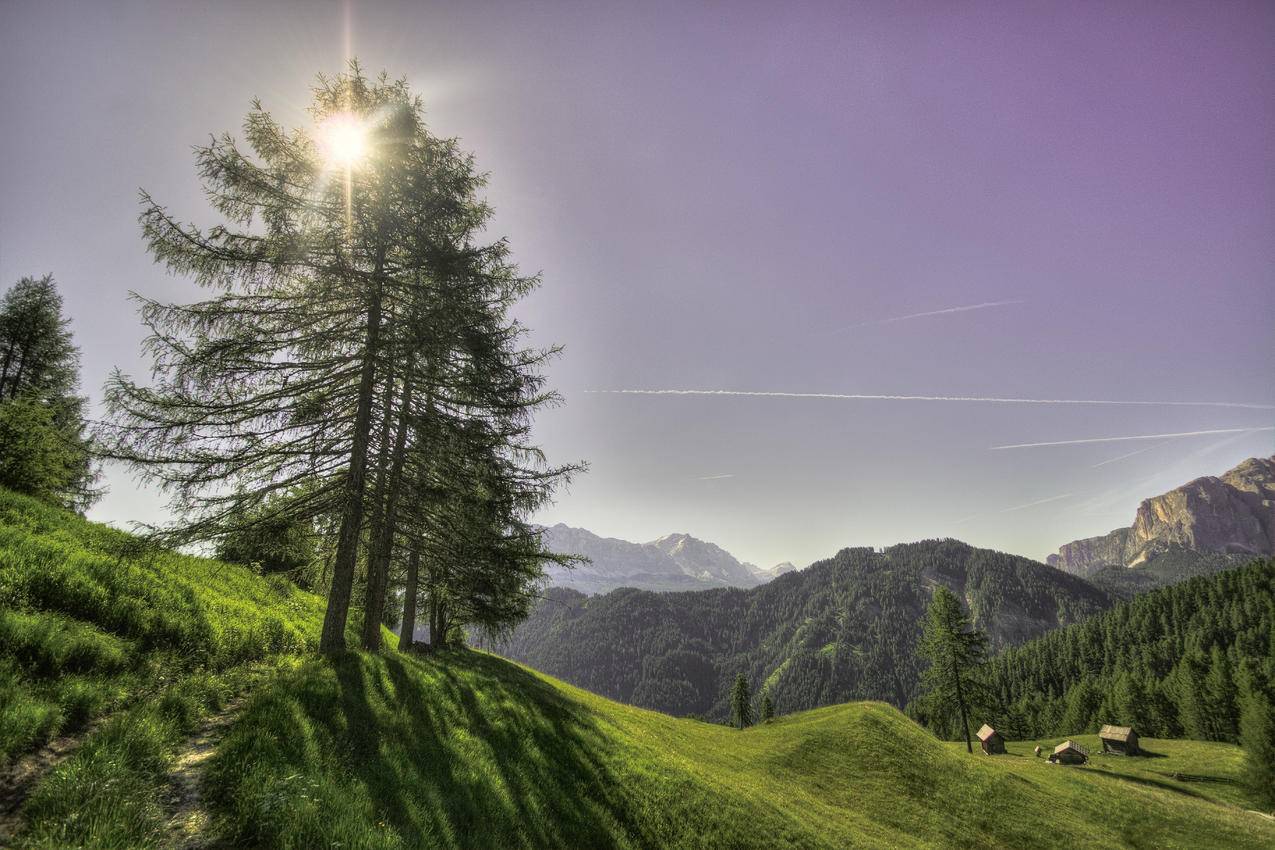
[[1229, 514], [673, 562]]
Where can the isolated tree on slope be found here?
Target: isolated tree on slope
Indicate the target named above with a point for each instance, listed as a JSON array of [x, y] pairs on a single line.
[[43, 448], [955, 651], [741, 703], [767, 708]]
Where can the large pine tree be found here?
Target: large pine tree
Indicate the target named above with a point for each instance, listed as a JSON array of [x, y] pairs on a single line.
[[355, 314], [955, 651]]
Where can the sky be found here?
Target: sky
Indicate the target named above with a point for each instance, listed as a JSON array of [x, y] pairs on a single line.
[[855, 220]]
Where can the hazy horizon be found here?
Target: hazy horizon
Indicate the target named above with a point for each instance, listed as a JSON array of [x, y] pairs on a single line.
[[897, 254]]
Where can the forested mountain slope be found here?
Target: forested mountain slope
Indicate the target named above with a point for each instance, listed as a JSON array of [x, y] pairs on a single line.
[[1176, 662], [844, 628]]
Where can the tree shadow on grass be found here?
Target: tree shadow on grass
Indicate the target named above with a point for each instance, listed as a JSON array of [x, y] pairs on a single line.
[[465, 750], [1150, 783]]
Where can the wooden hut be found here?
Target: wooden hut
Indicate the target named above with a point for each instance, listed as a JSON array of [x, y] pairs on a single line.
[[1119, 740], [992, 742], [1069, 752]]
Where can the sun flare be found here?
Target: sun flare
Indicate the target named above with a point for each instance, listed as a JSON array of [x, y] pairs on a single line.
[[343, 139]]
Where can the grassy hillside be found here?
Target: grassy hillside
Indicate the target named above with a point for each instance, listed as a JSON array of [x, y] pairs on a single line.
[[845, 628], [99, 633], [91, 620], [468, 750], [464, 749]]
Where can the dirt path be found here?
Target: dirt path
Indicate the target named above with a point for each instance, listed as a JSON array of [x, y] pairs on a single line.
[[188, 819], [17, 783]]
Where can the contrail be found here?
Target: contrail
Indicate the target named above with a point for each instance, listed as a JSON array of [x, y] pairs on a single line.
[[1137, 437], [1016, 508], [1130, 454], [716, 477], [985, 399], [1035, 503], [942, 312]]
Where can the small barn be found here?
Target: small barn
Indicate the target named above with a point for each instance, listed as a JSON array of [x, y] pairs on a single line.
[[1119, 740], [1069, 752], [993, 743]]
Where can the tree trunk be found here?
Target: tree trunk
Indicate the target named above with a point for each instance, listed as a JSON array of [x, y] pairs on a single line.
[[377, 496], [409, 599], [379, 559], [433, 617], [960, 702], [347, 548]]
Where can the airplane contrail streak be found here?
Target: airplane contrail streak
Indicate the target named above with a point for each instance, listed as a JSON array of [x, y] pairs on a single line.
[[1135, 437], [945, 311], [885, 397], [1133, 453], [716, 477], [1034, 504]]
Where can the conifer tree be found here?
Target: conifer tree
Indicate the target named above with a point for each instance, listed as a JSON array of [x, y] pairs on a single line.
[[767, 708], [1221, 713], [955, 651], [44, 450], [352, 302], [1257, 737], [741, 703]]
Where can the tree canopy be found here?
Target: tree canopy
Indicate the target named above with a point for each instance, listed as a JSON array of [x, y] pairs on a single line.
[[356, 348]]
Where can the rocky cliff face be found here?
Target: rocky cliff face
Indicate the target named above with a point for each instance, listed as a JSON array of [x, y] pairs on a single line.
[[1231, 514], [1083, 557]]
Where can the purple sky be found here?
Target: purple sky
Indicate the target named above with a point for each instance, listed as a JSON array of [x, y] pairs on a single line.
[[738, 198]]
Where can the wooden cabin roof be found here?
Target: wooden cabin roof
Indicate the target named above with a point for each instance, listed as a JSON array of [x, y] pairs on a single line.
[[1116, 733], [1070, 745], [986, 732]]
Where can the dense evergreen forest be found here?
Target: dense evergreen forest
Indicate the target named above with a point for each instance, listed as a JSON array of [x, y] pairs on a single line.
[[845, 628], [1166, 568], [1180, 661]]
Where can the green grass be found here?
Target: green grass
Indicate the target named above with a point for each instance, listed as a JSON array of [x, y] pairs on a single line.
[[90, 619], [469, 750], [1205, 770], [94, 625], [466, 750]]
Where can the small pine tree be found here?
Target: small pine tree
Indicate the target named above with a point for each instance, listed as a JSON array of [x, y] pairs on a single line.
[[269, 539], [1219, 692], [44, 451], [741, 703], [767, 708], [1257, 737]]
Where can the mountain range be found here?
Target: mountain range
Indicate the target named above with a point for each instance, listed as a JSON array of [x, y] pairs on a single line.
[[673, 562], [848, 627], [843, 628]]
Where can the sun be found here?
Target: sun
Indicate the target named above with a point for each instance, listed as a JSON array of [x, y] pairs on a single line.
[[343, 139]]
